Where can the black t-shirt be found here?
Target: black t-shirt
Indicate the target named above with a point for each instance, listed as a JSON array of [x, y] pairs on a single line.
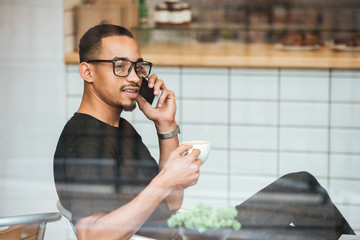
[[98, 167]]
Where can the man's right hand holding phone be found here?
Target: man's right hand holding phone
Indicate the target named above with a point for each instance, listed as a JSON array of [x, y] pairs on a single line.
[[164, 114]]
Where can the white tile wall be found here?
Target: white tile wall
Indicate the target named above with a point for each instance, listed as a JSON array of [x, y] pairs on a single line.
[[345, 191], [304, 85], [303, 139], [254, 84], [262, 123], [345, 86], [253, 163], [148, 133], [217, 162], [304, 114], [202, 111], [345, 140], [252, 112], [205, 83], [216, 134], [171, 77], [340, 166], [259, 133], [260, 138], [345, 115], [315, 163], [243, 187]]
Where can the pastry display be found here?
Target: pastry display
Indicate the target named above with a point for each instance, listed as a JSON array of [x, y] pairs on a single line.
[[351, 43], [299, 41]]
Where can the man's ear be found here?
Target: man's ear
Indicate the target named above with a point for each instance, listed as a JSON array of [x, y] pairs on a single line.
[[85, 72]]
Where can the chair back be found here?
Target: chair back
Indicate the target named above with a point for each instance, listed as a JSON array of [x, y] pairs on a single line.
[[26, 227], [66, 213]]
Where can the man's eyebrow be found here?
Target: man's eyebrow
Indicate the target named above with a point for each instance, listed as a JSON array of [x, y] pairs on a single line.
[[125, 58], [120, 58]]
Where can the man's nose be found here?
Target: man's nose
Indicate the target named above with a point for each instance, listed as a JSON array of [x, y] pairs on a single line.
[[133, 77]]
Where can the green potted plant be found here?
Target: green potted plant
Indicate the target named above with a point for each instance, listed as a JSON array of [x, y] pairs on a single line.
[[203, 223]]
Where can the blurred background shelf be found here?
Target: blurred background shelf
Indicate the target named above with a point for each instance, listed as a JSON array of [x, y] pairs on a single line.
[[240, 55], [240, 33]]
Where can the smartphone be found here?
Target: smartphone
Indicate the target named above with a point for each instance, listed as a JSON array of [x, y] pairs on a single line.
[[148, 93]]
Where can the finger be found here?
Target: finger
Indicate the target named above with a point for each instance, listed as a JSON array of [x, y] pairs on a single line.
[[159, 84], [163, 96], [151, 80], [195, 153], [182, 149], [168, 94]]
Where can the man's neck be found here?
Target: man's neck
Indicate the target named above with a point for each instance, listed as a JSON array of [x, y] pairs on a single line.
[[107, 114]]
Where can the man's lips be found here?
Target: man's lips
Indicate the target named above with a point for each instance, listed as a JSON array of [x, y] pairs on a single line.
[[132, 92]]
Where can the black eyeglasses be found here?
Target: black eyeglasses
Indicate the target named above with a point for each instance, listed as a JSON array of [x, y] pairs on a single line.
[[122, 67]]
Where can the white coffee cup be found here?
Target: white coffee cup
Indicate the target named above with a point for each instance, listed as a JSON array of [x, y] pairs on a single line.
[[203, 146]]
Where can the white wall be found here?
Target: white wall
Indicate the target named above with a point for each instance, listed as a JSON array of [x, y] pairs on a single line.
[[263, 123], [32, 105]]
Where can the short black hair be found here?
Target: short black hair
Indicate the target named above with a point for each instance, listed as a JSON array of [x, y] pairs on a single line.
[[90, 42]]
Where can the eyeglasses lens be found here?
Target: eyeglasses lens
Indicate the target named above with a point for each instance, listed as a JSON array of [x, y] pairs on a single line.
[[121, 68], [143, 69]]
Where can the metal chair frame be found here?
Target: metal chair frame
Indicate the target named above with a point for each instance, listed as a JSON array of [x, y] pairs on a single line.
[[65, 213], [41, 218]]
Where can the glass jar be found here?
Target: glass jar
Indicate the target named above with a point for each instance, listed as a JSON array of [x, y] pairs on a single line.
[[186, 13], [161, 16], [176, 17]]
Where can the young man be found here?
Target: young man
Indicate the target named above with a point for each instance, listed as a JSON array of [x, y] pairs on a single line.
[[106, 177], [104, 174]]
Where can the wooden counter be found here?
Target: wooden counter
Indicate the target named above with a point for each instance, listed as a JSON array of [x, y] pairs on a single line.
[[241, 55]]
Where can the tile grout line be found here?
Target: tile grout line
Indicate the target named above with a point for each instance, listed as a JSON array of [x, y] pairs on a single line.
[[329, 128], [228, 150], [181, 98], [278, 122]]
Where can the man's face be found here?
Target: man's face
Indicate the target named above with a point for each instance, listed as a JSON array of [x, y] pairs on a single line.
[[120, 92]]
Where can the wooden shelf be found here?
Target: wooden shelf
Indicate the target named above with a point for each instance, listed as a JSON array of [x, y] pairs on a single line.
[[240, 55]]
